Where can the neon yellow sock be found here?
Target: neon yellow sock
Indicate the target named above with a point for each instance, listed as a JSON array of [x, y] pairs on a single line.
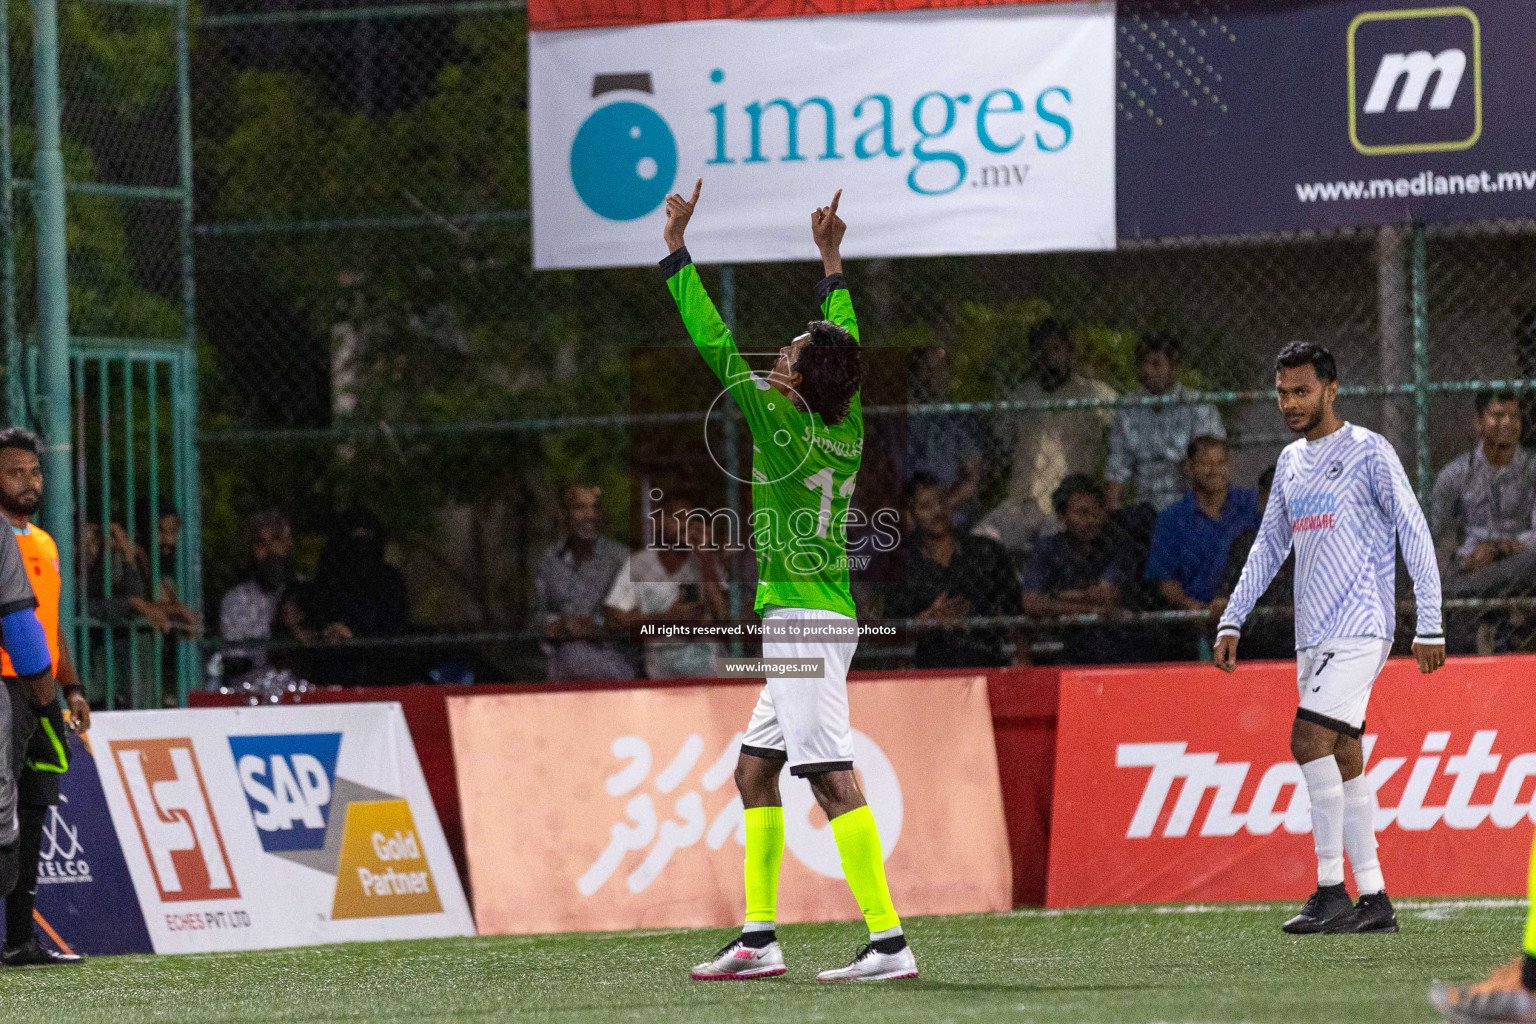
[[858, 845], [765, 852], [1530, 920]]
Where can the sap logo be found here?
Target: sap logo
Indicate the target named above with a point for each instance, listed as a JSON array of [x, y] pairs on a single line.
[[165, 791], [1280, 798], [1409, 87], [624, 156], [288, 782]]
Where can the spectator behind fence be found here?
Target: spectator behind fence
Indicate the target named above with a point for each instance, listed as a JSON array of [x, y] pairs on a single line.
[[574, 575], [945, 445], [1193, 536], [950, 576], [161, 531], [1148, 444], [249, 608], [1483, 515], [1046, 447], [356, 592], [676, 579], [1264, 636], [1080, 570]]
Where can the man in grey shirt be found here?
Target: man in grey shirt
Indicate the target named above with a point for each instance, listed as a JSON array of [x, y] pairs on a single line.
[[573, 578], [1483, 513], [1148, 443]]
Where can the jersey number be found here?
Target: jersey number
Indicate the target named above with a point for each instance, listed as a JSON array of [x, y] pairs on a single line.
[[822, 479]]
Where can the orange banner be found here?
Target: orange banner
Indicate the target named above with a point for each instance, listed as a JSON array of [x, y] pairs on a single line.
[[616, 809], [1176, 784]]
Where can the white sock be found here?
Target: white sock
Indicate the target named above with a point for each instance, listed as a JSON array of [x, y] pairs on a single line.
[[757, 926], [1360, 835], [1325, 788]]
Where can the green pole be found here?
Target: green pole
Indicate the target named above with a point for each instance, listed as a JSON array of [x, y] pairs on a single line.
[[188, 493], [15, 376], [53, 302], [1420, 287], [732, 449]]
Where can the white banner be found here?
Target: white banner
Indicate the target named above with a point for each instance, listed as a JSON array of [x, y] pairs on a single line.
[[249, 828], [983, 130]]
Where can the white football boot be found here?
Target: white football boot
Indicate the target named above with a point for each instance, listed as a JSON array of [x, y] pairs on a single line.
[[873, 965], [737, 962]]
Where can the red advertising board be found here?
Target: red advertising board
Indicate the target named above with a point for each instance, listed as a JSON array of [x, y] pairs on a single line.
[[551, 15], [1176, 784]]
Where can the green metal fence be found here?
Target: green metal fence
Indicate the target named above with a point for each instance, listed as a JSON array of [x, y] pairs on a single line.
[[368, 329]]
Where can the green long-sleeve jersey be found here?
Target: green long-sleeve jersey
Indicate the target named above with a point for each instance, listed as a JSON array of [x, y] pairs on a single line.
[[803, 471]]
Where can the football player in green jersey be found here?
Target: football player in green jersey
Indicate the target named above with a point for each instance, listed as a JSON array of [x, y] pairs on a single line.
[[807, 441]]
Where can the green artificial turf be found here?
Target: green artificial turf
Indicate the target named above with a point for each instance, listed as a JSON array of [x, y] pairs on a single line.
[[1113, 964]]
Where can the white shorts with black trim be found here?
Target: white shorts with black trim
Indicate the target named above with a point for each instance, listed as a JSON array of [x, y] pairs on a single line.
[[805, 720], [1335, 679]]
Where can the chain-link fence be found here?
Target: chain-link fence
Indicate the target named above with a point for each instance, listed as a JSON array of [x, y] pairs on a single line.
[[372, 337]]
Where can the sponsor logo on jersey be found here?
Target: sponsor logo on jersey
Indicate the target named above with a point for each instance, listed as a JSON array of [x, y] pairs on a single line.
[[1314, 511], [1199, 780], [175, 819]]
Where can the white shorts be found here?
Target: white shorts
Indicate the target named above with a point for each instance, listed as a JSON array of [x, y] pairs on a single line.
[[805, 720], [1335, 680]]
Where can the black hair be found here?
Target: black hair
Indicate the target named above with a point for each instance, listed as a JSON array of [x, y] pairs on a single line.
[[1071, 487], [1205, 441], [1308, 353], [1049, 329], [16, 437], [1161, 341], [1483, 400], [922, 478], [831, 371], [1267, 479]]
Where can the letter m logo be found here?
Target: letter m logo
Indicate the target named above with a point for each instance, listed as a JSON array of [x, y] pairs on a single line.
[[1415, 81]]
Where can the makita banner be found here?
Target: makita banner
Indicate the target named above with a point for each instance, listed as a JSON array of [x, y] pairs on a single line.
[[247, 828], [1177, 784], [1331, 113], [978, 129], [615, 808]]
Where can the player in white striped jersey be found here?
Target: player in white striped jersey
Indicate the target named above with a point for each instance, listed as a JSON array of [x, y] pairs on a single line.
[[1342, 501]]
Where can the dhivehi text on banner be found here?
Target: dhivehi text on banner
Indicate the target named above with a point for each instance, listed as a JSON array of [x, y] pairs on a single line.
[[979, 129], [630, 819], [248, 828], [1177, 785]]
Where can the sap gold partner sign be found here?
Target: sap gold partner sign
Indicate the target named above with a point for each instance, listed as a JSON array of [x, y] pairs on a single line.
[[383, 870]]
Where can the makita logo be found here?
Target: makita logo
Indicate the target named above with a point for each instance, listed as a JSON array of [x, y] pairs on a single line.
[[1280, 798]]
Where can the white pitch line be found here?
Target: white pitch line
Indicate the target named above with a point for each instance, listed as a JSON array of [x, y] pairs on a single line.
[[1508, 903]]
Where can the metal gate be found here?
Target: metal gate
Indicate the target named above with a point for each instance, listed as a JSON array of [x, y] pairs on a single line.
[[134, 467]]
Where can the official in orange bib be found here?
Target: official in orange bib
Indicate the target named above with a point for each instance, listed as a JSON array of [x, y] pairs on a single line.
[[40, 730]]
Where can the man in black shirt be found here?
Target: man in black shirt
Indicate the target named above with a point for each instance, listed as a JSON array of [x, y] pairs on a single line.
[[1081, 570], [950, 576]]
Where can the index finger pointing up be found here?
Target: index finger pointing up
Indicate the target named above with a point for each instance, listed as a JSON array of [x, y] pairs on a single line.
[[697, 186], [833, 208]]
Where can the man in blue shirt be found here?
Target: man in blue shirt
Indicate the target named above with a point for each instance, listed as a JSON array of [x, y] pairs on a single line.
[[1193, 535]]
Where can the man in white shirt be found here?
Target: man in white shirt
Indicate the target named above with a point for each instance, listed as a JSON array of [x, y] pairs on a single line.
[[674, 578]]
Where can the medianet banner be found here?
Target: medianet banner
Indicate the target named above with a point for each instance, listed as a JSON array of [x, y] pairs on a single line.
[[971, 129], [1176, 784]]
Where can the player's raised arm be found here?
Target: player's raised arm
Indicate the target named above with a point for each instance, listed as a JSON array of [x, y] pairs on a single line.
[[1265, 558], [705, 326], [1394, 495], [827, 230]]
